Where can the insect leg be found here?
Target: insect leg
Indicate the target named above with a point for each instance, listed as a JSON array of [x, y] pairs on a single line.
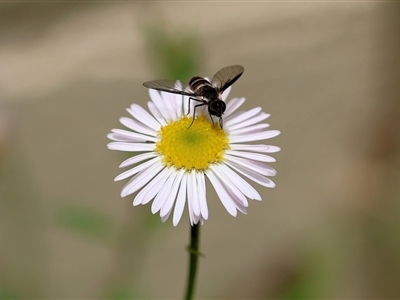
[[195, 99], [220, 122], [194, 111], [212, 120]]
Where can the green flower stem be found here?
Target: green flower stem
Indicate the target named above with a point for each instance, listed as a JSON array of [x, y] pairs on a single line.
[[194, 254]]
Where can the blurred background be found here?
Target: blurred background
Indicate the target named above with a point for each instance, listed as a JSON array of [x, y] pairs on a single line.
[[327, 72]]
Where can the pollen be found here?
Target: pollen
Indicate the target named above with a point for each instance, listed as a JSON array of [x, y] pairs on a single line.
[[194, 147]]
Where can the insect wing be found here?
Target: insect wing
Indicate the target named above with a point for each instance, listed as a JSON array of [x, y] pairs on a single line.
[[226, 77], [170, 86]]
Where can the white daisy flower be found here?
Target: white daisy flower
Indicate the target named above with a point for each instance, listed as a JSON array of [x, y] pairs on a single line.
[[171, 159]]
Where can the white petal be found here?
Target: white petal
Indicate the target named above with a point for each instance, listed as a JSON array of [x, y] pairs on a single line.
[[225, 94], [255, 148], [252, 156], [154, 186], [141, 179], [159, 102], [189, 197], [156, 113], [137, 158], [179, 101], [255, 166], [194, 194], [244, 116], [137, 169], [156, 97], [194, 218], [254, 137], [143, 116], [138, 127], [162, 196], [225, 198], [131, 147], [197, 219], [133, 136], [236, 194], [250, 129], [169, 100], [201, 188], [241, 208], [238, 203], [240, 183], [264, 181], [167, 207], [260, 117], [180, 201], [165, 217], [233, 105], [118, 138]]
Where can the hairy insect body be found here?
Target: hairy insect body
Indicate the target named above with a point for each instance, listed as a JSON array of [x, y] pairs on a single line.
[[208, 94], [201, 90]]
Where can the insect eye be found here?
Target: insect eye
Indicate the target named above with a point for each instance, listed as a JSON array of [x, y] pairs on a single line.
[[217, 108], [220, 105]]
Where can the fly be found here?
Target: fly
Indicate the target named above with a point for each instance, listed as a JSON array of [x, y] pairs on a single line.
[[201, 90]]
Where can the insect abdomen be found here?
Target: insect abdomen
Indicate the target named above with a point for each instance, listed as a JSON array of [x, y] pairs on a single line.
[[196, 83]]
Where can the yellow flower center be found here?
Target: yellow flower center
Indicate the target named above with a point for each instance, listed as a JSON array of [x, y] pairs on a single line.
[[192, 148]]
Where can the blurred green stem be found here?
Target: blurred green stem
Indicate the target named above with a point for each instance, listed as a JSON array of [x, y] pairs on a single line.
[[194, 254]]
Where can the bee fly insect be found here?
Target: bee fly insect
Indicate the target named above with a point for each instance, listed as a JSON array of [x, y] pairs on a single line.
[[201, 90]]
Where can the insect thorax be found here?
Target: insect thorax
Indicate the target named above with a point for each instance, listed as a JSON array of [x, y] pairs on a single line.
[[203, 88]]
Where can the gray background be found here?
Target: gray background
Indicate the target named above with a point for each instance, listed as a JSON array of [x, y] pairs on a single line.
[[327, 72]]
